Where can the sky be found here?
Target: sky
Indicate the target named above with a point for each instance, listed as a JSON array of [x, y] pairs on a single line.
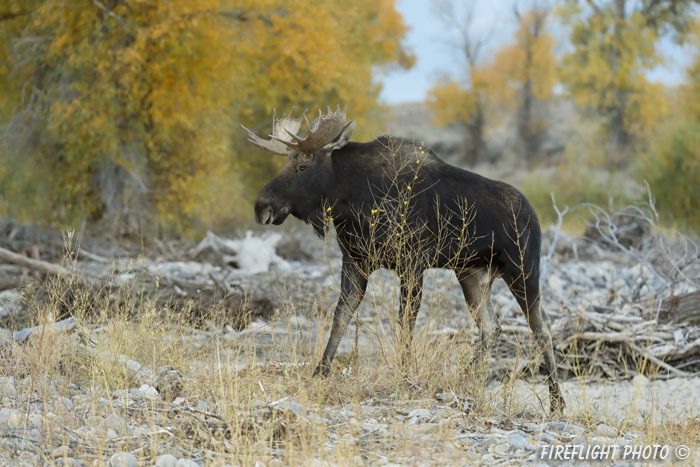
[[429, 39]]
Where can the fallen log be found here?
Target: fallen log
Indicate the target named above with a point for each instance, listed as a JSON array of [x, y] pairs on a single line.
[[681, 309], [47, 268]]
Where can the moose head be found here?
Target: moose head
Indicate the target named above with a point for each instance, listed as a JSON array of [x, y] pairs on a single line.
[[300, 186]]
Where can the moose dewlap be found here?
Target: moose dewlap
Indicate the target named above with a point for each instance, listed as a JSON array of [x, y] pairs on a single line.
[[396, 204]]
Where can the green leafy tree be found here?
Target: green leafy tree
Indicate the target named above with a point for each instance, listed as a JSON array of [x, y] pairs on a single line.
[[672, 164]]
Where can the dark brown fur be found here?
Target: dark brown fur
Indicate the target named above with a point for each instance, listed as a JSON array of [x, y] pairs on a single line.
[[397, 205]]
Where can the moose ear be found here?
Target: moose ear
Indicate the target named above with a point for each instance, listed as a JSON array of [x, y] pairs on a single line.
[[342, 139]]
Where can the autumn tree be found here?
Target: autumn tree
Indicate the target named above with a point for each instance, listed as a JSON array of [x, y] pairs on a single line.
[[614, 45], [522, 77], [128, 111], [463, 101], [671, 165]]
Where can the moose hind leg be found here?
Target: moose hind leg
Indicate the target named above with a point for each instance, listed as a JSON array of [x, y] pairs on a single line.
[[353, 283], [539, 324], [476, 286]]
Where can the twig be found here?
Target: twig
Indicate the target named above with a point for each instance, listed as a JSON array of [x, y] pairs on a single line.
[[655, 360], [552, 247], [112, 14]]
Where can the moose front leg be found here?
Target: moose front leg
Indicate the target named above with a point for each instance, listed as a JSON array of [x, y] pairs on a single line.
[[353, 283]]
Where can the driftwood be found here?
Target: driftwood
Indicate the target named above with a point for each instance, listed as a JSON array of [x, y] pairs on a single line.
[[604, 344], [47, 268], [681, 309], [203, 300]]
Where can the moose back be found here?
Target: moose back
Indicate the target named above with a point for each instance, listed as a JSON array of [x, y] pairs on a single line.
[[396, 204]]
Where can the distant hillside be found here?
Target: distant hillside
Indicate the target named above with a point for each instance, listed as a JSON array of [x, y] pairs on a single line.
[[415, 121]]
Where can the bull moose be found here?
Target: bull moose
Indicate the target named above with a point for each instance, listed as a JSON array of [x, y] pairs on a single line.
[[395, 204]]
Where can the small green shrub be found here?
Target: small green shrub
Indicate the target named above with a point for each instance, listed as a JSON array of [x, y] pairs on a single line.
[[672, 169], [576, 186]]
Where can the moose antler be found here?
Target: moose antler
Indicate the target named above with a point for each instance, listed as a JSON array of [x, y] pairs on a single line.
[[323, 130], [282, 131]]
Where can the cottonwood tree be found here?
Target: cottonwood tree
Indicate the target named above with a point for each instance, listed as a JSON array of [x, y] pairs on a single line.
[[522, 77], [614, 45], [128, 111], [671, 164], [463, 101]]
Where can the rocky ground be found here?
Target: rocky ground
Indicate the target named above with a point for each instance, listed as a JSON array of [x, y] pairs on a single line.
[[126, 388]]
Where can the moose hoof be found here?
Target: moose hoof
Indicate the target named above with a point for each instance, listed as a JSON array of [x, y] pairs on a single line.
[[556, 404]]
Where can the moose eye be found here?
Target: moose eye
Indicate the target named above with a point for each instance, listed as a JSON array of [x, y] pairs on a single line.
[[301, 168]]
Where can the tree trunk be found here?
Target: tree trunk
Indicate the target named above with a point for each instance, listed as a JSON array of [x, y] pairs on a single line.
[[476, 147], [620, 138], [527, 132]]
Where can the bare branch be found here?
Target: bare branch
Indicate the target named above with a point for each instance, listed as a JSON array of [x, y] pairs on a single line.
[[9, 16], [595, 7], [552, 247], [115, 16]]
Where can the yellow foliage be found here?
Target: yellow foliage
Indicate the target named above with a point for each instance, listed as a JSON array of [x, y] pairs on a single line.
[[450, 103], [689, 93], [530, 58], [605, 73], [133, 106]]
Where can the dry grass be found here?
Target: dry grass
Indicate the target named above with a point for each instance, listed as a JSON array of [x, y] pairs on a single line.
[[240, 392], [247, 397]]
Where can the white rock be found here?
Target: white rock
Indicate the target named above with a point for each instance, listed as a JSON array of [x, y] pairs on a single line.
[[67, 403], [501, 449], [641, 382], [140, 431], [70, 462], [292, 406], [7, 386], [149, 392], [517, 441], [114, 422], [186, 463], [10, 303], [94, 421], [563, 427], [61, 451], [605, 430], [422, 413], [10, 417], [258, 254], [166, 460], [123, 459], [36, 419], [557, 285]]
